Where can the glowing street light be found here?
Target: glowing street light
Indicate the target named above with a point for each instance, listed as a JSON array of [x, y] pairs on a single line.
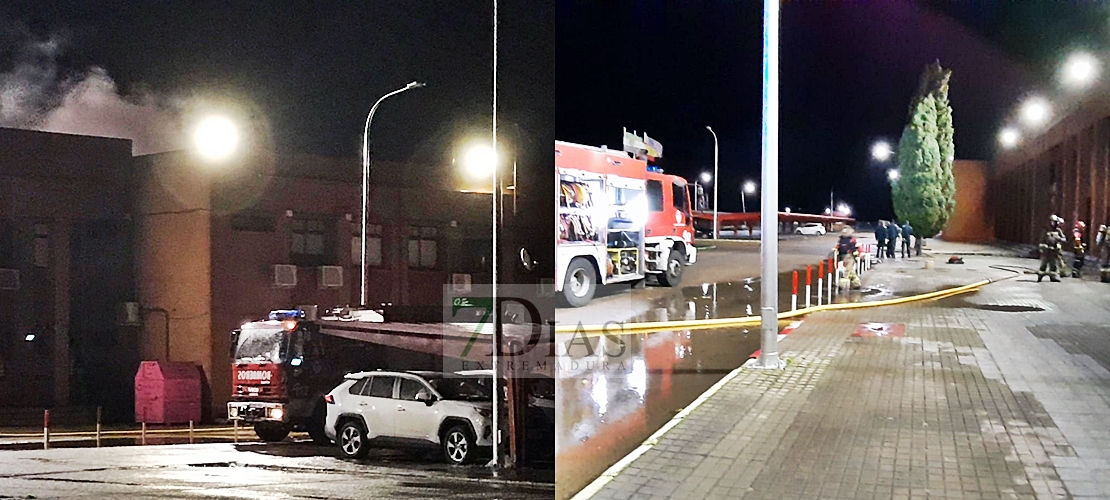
[[706, 177], [216, 137], [1008, 137], [1034, 111], [893, 174], [749, 188], [480, 161], [881, 151], [1080, 70], [844, 209]]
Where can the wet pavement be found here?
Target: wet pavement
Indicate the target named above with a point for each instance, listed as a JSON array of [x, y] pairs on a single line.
[[256, 470], [614, 392]]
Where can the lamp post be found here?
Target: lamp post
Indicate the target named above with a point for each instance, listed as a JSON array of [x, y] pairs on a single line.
[[749, 188], [715, 181], [366, 177], [769, 237]]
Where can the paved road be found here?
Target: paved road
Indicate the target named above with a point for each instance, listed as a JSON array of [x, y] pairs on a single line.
[[270, 471]]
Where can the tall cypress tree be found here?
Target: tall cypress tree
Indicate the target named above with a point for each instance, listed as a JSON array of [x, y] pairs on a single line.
[[924, 194]]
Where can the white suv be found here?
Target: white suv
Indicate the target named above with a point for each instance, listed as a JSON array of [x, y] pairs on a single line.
[[398, 409]]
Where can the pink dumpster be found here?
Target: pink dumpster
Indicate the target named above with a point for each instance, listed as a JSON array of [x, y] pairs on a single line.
[[167, 393]]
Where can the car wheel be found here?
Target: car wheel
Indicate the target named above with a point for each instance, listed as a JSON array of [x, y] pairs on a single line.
[[580, 284], [271, 432], [352, 440], [458, 445], [672, 276], [798, 232]]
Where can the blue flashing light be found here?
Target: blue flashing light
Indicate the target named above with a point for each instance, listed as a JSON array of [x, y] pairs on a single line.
[[296, 361], [653, 168], [284, 314]]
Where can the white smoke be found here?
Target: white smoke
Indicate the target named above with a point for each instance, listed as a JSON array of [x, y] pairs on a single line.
[[34, 96]]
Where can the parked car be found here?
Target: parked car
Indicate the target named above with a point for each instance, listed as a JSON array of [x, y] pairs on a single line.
[[411, 409], [811, 228]]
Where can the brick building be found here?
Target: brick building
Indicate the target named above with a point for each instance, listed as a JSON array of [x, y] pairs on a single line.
[[1064, 170], [65, 264], [200, 247]]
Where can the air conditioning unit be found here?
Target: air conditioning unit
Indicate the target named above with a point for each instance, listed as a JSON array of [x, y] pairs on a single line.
[[129, 314], [9, 279], [460, 283], [331, 276], [285, 275]]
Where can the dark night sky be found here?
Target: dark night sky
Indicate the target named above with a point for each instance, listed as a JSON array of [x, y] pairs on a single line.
[[848, 70], [313, 69]]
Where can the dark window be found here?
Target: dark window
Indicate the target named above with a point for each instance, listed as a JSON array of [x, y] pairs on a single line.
[[256, 223], [678, 191], [373, 244], [7, 246], [655, 196], [422, 247], [477, 255], [312, 243], [409, 388], [381, 387], [42, 245], [358, 387]]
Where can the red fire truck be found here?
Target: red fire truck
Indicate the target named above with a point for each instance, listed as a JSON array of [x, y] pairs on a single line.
[[617, 221]]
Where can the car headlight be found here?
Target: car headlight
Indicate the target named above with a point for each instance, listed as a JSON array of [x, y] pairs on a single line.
[[277, 413]]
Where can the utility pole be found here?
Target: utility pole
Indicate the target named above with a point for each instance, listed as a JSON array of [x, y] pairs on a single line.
[[769, 234]]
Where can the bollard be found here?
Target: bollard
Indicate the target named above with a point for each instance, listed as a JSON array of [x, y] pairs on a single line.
[[809, 279], [235, 430], [143, 434], [98, 420], [820, 280], [190, 432], [46, 429], [794, 293]]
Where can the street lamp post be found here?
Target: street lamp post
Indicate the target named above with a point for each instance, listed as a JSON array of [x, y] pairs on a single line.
[[716, 181], [769, 237], [366, 178], [749, 188]]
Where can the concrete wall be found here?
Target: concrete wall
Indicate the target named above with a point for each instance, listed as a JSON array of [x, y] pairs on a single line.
[[173, 258], [972, 220]]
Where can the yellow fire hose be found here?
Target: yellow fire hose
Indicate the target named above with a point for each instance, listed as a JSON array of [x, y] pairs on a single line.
[[616, 328]]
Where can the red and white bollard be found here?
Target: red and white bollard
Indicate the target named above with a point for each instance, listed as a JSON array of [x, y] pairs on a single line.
[[832, 270], [820, 280], [809, 280], [46, 429], [794, 294]]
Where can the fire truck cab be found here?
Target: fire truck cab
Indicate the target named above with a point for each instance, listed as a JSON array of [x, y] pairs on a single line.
[[617, 222]]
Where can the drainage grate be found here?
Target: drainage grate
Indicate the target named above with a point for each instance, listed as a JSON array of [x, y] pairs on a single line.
[[1010, 308]]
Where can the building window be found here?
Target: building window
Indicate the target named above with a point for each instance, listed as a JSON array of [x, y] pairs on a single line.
[[310, 243], [373, 245], [255, 223], [42, 245], [422, 247]]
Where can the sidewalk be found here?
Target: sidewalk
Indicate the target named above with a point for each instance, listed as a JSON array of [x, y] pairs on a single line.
[[1001, 393]]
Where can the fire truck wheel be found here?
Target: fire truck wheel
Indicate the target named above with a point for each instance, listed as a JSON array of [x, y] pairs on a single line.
[[581, 283], [271, 432], [672, 276], [352, 440], [458, 445]]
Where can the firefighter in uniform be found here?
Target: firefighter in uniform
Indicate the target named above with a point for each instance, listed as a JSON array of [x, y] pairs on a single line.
[[1078, 248], [1058, 225], [1102, 242], [1050, 247], [848, 252]]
